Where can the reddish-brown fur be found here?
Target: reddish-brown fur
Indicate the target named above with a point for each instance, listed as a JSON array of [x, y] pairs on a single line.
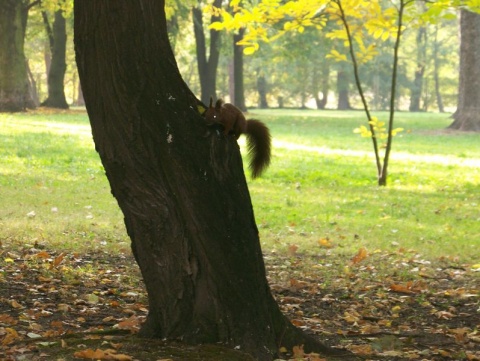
[[233, 121]]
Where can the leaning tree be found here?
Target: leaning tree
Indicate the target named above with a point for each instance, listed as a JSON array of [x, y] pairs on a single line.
[[180, 186]]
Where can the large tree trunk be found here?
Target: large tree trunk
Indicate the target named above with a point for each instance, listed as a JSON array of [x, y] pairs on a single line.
[[184, 196], [14, 92], [207, 67], [467, 116], [58, 66]]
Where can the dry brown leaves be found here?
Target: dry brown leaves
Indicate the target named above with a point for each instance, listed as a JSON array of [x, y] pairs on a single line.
[[378, 305], [394, 306], [46, 297]]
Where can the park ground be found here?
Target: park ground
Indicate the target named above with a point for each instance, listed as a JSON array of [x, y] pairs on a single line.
[[381, 306], [388, 274]]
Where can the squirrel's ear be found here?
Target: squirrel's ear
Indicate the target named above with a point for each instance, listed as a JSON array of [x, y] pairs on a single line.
[[211, 102], [218, 104]]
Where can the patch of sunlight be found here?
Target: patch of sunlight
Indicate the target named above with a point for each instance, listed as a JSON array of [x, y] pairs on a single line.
[[399, 156], [331, 114], [51, 127]]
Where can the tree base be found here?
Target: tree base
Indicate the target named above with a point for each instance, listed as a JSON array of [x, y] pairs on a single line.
[[466, 121], [55, 104]]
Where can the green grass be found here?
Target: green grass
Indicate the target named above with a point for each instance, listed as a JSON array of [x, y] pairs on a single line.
[[49, 166], [321, 184]]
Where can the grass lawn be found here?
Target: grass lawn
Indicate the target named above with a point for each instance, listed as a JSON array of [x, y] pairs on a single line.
[[322, 186], [389, 272], [319, 194]]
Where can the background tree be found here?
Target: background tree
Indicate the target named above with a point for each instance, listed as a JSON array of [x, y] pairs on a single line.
[[238, 96], [420, 63], [436, 70], [305, 69], [14, 93], [467, 116], [184, 196], [207, 64], [416, 87], [343, 85], [359, 20], [262, 87], [57, 39]]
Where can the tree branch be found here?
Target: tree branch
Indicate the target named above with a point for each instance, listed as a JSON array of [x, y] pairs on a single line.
[[31, 5], [359, 85], [48, 29]]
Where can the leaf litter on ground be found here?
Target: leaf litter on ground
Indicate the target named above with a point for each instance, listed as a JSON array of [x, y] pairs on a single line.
[[379, 305]]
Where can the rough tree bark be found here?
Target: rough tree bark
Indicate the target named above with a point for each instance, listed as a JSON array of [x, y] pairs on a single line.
[[207, 65], [14, 93], [183, 194], [57, 36], [467, 116]]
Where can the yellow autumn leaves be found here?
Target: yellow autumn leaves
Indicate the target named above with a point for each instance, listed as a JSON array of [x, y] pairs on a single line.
[[293, 16], [379, 130], [368, 19]]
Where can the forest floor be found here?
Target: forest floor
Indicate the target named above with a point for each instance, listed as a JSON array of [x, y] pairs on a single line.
[[379, 306]]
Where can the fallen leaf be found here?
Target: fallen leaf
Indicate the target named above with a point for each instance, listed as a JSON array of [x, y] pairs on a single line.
[[33, 335], [15, 304], [298, 352], [401, 288], [292, 249], [325, 242], [445, 315], [58, 260], [10, 336], [43, 254], [132, 324], [89, 353], [361, 349], [93, 298], [46, 344], [360, 256], [102, 355]]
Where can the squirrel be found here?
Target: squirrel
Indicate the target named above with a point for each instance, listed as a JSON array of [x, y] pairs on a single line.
[[233, 121]]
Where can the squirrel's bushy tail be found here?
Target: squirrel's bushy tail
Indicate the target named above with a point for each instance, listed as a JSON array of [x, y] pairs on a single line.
[[258, 145]]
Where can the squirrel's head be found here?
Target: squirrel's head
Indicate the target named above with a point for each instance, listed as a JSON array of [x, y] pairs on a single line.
[[211, 113]]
